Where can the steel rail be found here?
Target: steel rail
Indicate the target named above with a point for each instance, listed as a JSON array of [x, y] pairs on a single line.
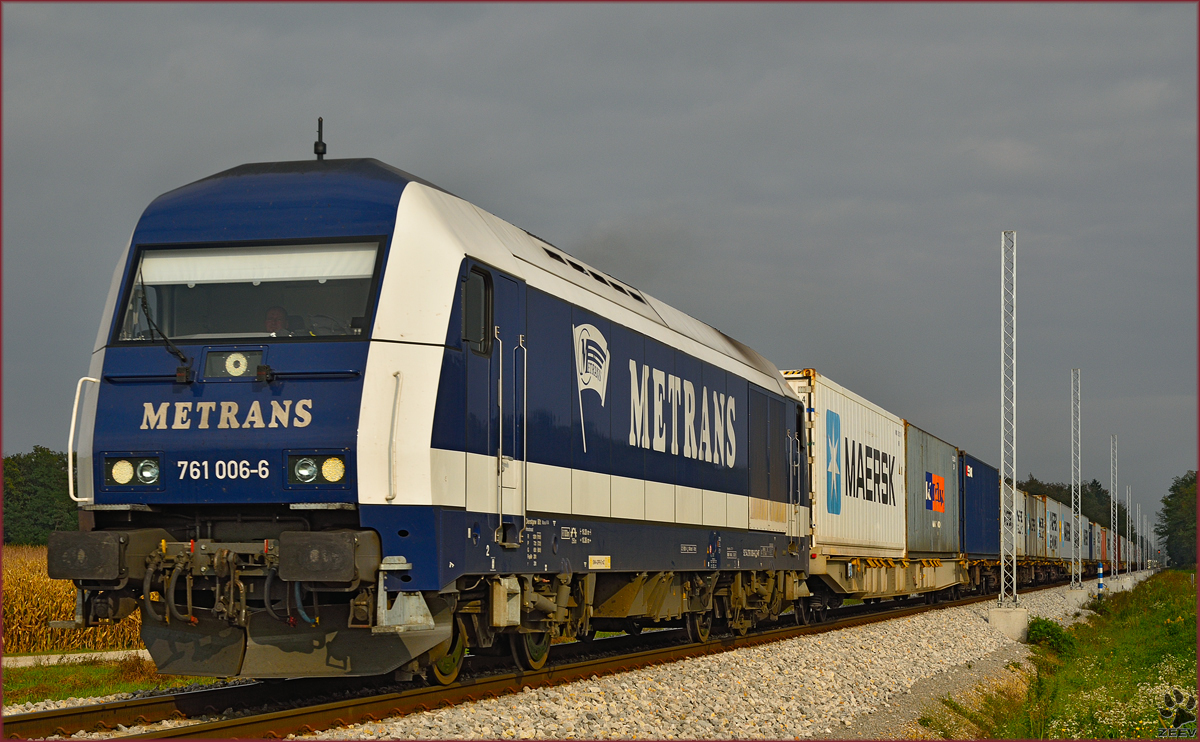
[[310, 719], [150, 710]]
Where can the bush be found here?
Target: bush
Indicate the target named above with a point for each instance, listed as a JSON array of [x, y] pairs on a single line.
[[1047, 633]]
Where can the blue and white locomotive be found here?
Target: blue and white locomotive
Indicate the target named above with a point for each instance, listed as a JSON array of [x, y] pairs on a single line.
[[339, 421]]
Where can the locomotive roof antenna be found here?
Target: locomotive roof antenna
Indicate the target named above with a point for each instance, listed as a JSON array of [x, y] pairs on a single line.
[[319, 145]]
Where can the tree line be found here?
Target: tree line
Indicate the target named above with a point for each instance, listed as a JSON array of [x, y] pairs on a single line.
[[36, 503], [35, 496]]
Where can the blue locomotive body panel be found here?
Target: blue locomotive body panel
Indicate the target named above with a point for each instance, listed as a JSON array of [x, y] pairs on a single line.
[[223, 420]]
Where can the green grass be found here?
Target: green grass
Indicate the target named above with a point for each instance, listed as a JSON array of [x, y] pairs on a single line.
[[87, 678], [1103, 679]]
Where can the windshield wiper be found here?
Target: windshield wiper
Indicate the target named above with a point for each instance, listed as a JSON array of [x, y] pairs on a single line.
[[183, 374]]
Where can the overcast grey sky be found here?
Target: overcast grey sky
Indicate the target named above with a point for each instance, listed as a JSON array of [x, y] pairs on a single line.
[[827, 183]]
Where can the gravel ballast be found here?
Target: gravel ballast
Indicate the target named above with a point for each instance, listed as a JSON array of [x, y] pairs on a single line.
[[811, 686], [825, 685]]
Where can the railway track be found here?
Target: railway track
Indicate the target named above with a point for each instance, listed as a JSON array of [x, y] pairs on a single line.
[[572, 662]]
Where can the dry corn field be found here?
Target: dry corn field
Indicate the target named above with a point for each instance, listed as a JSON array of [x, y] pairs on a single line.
[[31, 599]]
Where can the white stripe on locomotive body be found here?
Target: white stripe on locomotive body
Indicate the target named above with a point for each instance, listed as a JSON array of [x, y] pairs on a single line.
[[85, 423], [434, 232]]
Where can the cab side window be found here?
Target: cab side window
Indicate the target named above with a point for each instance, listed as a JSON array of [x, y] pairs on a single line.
[[477, 311]]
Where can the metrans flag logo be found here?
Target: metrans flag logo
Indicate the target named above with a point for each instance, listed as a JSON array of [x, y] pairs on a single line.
[[833, 458], [935, 493], [591, 366]]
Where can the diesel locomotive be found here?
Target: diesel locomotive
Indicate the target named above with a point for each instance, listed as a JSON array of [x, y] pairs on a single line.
[[340, 422]]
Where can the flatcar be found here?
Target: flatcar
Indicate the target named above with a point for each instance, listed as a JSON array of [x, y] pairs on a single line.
[[339, 421]]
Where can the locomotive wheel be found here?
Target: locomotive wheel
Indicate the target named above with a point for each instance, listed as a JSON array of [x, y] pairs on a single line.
[[531, 650], [699, 626], [587, 638], [800, 612], [445, 671], [633, 627], [819, 611]]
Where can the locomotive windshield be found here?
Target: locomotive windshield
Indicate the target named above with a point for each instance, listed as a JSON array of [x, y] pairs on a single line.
[[277, 291]]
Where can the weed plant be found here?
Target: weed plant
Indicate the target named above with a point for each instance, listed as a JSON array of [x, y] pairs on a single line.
[[1047, 633], [31, 599], [1105, 678]]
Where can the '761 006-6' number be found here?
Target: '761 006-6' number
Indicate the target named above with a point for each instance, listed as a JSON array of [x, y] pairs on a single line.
[[230, 469]]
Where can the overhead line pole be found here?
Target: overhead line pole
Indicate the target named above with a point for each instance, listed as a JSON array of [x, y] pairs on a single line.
[[1008, 419], [1112, 505], [1128, 527], [1076, 561]]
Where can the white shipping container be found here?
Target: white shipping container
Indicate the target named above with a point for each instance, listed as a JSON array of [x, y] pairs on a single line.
[[856, 470], [1022, 522], [1053, 528]]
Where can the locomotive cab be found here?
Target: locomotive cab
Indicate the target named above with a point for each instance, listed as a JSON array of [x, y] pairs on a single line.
[[218, 466]]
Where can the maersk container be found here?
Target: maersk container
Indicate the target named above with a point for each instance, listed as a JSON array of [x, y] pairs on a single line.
[[933, 500], [979, 508], [856, 484]]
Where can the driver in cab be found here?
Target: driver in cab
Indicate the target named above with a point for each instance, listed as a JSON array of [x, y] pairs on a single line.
[[276, 322]]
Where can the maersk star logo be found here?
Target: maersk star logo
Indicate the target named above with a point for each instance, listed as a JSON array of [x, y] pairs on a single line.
[[833, 460]]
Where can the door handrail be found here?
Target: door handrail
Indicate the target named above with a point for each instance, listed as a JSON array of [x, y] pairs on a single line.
[[71, 441], [500, 434], [524, 432], [391, 495]]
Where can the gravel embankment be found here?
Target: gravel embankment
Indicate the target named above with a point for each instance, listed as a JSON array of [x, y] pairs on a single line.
[[806, 687], [803, 687]]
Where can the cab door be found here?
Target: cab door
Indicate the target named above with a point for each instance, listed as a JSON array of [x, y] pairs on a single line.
[[494, 336]]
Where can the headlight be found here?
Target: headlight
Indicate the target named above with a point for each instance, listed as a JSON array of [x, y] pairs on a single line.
[[147, 471], [122, 472], [306, 470], [236, 364], [332, 469], [135, 471], [317, 469]]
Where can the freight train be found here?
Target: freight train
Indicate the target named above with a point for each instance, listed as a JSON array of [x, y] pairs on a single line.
[[338, 421]]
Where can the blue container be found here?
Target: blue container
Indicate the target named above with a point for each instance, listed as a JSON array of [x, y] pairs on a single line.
[[979, 522]]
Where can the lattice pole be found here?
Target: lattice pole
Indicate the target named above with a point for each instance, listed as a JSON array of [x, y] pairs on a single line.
[[1076, 561], [1008, 419], [1128, 528], [1112, 504]]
